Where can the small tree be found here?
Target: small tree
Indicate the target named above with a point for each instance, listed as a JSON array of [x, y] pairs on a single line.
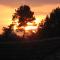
[[7, 32], [23, 14]]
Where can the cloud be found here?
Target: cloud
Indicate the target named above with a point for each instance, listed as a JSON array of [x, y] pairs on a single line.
[[5, 15], [14, 3]]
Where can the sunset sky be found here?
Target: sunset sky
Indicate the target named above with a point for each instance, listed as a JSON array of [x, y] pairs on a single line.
[[40, 7]]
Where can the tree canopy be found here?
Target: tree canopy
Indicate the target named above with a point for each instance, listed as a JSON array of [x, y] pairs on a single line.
[[52, 23], [23, 14]]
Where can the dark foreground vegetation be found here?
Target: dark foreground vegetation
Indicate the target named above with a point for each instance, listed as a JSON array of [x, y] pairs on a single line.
[[48, 49], [44, 45]]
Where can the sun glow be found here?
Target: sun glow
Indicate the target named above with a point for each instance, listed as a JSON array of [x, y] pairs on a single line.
[[28, 29]]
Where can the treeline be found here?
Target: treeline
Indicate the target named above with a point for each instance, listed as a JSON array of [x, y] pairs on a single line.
[[51, 27]]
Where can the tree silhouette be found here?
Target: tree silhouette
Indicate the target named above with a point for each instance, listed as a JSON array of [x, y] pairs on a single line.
[[8, 35], [23, 14], [52, 23], [7, 32]]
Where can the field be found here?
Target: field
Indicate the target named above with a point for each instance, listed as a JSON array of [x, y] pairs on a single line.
[[37, 50]]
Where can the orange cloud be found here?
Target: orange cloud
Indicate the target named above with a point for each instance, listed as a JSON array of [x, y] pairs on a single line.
[[5, 16]]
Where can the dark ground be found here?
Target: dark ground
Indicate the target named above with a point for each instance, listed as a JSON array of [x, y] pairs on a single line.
[[46, 49]]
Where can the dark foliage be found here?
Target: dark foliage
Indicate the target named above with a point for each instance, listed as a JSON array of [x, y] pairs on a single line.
[[23, 14], [8, 35], [51, 27]]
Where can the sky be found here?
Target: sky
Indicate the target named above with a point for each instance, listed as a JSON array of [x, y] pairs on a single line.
[[41, 8]]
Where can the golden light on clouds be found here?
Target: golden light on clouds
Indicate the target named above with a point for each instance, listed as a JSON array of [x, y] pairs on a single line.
[[5, 16]]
